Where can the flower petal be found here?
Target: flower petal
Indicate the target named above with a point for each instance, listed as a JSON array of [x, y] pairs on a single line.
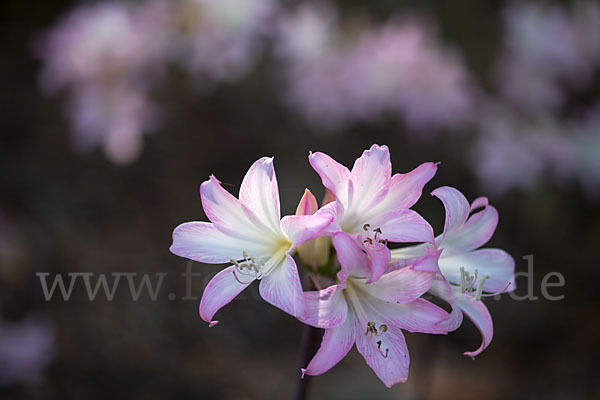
[[401, 286], [308, 204], [422, 258], [479, 314], [352, 258], [282, 287], [442, 289], [403, 226], [259, 192], [478, 229], [456, 205], [496, 263], [336, 343], [379, 256], [417, 316], [334, 175], [406, 189], [227, 213], [370, 178], [203, 242], [301, 228], [325, 308], [387, 355], [221, 289]]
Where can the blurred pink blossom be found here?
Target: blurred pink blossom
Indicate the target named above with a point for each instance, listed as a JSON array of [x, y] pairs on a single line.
[[223, 39], [26, 349], [398, 69], [107, 56]]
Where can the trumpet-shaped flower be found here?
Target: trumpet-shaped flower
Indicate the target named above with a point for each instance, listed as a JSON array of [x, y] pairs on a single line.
[[372, 205], [372, 315], [249, 234], [465, 271]]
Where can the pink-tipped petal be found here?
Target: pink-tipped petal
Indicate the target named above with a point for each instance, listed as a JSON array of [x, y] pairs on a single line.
[[456, 205], [417, 316], [352, 258], [403, 226], [478, 229], [282, 288], [442, 289], [336, 343], [308, 204], [325, 308], [406, 189], [496, 263], [370, 178], [409, 255], [259, 192], [480, 202], [429, 262], [203, 242], [479, 314], [227, 213], [334, 175], [401, 286], [221, 289], [387, 355], [379, 257], [301, 228]]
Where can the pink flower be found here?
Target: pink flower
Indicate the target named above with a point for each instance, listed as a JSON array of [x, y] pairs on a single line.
[[250, 234], [372, 205], [465, 271], [372, 315]]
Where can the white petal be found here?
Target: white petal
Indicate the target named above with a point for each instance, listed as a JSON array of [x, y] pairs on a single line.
[[203, 242], [282, 288], [496, 263], [221, 289], [259, 192], [336, 343], [325, 308]]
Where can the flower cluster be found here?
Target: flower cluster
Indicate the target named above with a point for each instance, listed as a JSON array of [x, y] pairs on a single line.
[[366, 293]]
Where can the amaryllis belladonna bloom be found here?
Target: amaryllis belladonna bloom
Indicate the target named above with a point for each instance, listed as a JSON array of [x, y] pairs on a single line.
[[372, 205], [466, 272], [249, 234], [372, 315]]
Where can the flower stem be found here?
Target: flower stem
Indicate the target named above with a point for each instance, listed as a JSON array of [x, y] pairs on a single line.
[[308, 348]]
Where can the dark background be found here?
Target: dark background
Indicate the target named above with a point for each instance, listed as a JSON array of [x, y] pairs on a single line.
[[79, 213]]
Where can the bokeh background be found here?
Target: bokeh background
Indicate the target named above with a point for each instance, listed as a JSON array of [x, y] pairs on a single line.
[[113, 113]]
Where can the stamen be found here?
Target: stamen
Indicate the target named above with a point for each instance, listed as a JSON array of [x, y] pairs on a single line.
[[387, 351], [372, 329], [238, 279], [468, 281], [480, 287], [376, 237], [248, 266]]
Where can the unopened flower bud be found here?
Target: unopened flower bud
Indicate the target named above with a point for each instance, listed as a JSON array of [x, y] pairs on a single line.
[[315, 252]]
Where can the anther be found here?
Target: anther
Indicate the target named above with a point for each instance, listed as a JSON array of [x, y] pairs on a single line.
[[371, 328], [366, 227]]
